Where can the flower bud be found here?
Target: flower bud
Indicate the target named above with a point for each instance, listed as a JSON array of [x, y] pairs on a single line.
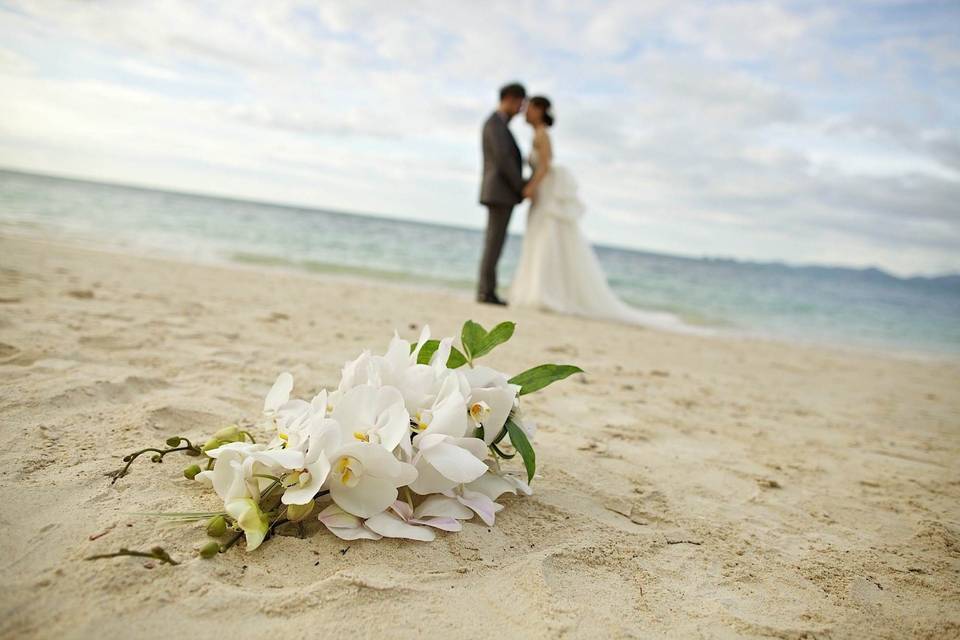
[[209, 550], [229, 434], [191, 472], [212, 443], [173, 441], [217, 526], [297, 512]]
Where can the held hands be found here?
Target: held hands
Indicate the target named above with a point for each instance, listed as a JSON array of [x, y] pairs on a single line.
[[530, 191]]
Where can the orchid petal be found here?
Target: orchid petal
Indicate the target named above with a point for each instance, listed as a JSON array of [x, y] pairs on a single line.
[[248, 517], [279, 393], [390, 526], [481, 505], [445, 524], [370, 495], [454, 462], [302, 495], [440, 506]]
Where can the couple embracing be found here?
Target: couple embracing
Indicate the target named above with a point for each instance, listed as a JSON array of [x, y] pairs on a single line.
[[558, 269]]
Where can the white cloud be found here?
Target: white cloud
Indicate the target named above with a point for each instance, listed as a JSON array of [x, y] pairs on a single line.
[[765, 130]]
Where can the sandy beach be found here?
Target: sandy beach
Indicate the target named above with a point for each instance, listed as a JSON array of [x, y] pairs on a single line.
[[689, 486]]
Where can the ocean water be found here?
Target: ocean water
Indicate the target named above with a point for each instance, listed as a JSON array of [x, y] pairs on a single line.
[[866, 309]]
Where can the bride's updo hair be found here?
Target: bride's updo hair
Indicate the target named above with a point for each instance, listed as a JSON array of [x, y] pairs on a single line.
[[543, 103]]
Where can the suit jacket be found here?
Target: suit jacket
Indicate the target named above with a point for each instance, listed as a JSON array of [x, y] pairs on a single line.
[[503, 181]]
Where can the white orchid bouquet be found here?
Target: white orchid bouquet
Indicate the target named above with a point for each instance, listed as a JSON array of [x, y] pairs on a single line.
[[410, 441]]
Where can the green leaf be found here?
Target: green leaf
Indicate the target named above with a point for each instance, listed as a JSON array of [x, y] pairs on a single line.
[[498, 335], [430, 347], [426, 351], [519, 439], [539, 377], [471, 337]]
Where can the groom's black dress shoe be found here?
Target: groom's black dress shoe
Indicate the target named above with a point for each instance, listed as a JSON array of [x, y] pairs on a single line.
[[491, 298]]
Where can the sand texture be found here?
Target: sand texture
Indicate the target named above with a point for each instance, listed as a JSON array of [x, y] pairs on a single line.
[[690, 487]]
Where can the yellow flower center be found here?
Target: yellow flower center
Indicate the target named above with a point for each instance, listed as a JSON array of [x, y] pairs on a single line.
[[347, 469], [360, 435], [423, 421]]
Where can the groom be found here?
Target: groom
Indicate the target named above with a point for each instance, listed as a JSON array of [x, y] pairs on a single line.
[[502, 185]]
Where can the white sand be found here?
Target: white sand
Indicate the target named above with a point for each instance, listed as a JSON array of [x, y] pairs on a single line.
[[690, 486]]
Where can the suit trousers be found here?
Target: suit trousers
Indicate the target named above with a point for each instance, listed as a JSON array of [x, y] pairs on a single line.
[[498, 219]]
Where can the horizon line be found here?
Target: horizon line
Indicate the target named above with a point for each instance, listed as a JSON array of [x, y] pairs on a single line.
[[386, 217]]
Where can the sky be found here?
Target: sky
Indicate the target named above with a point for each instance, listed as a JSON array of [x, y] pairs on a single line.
[[803, 132]]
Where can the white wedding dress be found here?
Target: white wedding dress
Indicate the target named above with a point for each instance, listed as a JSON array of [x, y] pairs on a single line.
[[558, 269]]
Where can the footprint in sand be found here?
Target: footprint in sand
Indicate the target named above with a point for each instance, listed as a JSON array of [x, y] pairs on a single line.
[[176, 420], [7, 351], [110, 342]]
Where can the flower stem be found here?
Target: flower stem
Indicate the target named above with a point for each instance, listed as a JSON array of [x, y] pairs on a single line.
[[158, 457], [157, 553], [232, 541]]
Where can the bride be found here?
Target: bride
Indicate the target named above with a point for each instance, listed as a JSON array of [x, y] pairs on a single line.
[[558, 269]]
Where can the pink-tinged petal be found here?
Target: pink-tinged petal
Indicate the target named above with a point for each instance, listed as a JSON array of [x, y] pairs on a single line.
[[334, 516], [444, 524], [439, 506], [358, 533], [454, 463], [390, 526], [482, 505], [402, 509]]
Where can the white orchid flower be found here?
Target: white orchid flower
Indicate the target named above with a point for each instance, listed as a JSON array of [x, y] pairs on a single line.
[[447, 414], [345, 526], [418, 383], [476, 497], [442, 462], [292, 417], [364, 478], [248, 517], [303, 482], [233, 474], [244, 470], [399, 521], [373, 414], [491, 398]]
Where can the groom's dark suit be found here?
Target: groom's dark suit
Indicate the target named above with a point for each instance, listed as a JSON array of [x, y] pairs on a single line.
[[501, 189]]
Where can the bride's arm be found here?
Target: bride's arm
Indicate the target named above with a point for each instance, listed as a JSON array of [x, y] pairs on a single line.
[[541, 142]]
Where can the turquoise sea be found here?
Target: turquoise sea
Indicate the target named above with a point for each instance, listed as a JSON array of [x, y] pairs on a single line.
[[846, 307]]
